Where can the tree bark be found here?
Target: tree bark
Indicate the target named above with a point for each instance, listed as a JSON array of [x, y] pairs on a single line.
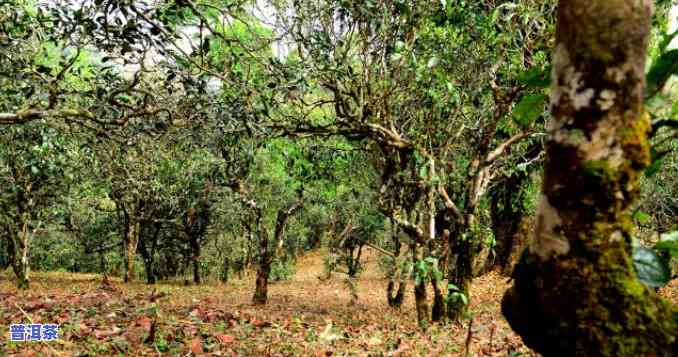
[[148, 254], [131, 242], [438, 309], [460, 275], [506, 212], [420, 289], [7, 238], [225, 268], [266, 256], [20, 242], [399, 277], [195, 259], [575, 290], [264, 268], [396, 300]]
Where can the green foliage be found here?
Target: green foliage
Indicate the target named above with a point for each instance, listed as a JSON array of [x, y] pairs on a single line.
[[655, 166], [641, 217], [529, 109], [651, 269], [427, 270], [663, 68], [668, 243], [536, 77], [456, 295], [282, 270]]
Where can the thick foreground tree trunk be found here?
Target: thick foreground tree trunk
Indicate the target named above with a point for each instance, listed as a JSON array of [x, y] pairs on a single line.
[[575, 290]]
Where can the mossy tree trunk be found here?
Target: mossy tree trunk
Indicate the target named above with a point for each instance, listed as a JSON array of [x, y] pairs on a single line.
[[575, 291], [19, 243], [420, 300], [438, 308], [397, 277], [460, 275], [131, 242]]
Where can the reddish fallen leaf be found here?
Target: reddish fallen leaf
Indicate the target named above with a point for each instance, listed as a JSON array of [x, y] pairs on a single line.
[[197, 312], [225, 338], [196, 345], [132, 336], [211, 316], [145, 323], [34, 306], [258, 323], [99, 334], [62, 318]]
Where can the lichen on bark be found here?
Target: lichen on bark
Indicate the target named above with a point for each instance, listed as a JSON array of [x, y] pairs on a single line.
[[575, 291]]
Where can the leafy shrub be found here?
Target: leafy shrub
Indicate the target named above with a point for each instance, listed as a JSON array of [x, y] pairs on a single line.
[[282, 270]]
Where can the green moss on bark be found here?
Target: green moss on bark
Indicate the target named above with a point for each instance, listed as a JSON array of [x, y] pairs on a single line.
[[620, 316]]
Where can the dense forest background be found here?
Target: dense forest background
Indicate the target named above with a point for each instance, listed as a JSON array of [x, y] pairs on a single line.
[[204, 145]]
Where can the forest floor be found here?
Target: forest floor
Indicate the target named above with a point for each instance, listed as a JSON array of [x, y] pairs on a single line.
[[304, 317]]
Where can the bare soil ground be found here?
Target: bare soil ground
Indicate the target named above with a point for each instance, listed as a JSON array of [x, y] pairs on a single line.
[[304, 317]]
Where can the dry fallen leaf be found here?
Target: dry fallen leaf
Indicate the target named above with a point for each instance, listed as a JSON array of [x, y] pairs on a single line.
[[145, 323], [196, 346], [225, 338]]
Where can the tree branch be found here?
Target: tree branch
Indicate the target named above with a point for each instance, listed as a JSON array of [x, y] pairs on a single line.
[[449, 204], [496, 153]]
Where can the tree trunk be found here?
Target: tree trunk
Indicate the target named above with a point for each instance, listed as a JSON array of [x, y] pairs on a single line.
[[195, 259], [20, 264], [266, 256], [148, 255], [7, 238], [396, 300], [398, 276], [575, 290], [264, 268], [261, 289], [438, 309], [460, 275], [420, 289], [148, 263], [506, 212], [131, 241], [519, 242], [225, 267]]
